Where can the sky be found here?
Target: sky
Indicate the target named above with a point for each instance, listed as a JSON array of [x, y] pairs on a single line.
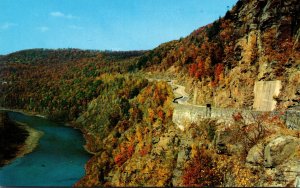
[[102, 24]]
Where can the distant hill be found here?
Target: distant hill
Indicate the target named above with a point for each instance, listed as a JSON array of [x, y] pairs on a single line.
[[43, 56], [55, 81]]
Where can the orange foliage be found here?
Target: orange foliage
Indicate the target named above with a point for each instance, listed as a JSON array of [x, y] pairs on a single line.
[[151, 115], [249, 131], [197, 69], [213, 84], [145, 150], [237, 116], [193, 69], [202, 171], [125, 153], [219, 71], [160, 114]]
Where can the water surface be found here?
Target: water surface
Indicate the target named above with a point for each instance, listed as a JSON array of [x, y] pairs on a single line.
[[58, 159]]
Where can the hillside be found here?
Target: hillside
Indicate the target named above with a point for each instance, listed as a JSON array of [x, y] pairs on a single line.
[[125, 112], [257, 40], [58, 82]]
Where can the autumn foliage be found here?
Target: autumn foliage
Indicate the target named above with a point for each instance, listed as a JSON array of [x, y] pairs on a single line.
[[250, 130], [202, 171], [61, 83], [145, 150], [219, 71], [197, 69], [126, 152]]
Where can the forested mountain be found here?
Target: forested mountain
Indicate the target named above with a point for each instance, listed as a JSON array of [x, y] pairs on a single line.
[[219, 63], [127, 119], [257, 40], [58, 82]]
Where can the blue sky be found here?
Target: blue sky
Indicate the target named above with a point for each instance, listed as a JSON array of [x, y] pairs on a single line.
[[102, 24]]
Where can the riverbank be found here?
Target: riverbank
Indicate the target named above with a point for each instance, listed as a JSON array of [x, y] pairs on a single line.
[[84, 134], [29, 113], [17, 139], [58, 159], [34, 135], [31, 141], [69, 124]]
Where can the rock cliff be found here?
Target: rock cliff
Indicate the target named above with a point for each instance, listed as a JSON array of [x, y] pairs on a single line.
[[257, 40]]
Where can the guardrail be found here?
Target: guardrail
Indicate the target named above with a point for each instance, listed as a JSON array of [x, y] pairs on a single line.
[[292, 119], [183, 113]]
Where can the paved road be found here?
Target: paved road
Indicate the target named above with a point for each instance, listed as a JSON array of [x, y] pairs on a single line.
[[181, 106], [181, 96]]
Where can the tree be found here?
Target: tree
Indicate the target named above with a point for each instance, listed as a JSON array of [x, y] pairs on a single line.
[[219, 69]]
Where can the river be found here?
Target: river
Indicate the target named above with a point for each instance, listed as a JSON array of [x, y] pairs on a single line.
[[58, 160]]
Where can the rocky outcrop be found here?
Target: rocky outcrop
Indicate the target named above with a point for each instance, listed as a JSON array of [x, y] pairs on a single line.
[[279, 150], [278, 158], [255, 155], [264, 93], [257, 40]]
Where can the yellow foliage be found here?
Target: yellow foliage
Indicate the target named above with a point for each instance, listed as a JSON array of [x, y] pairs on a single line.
[[194, 150], [151, 114], [139, 136]]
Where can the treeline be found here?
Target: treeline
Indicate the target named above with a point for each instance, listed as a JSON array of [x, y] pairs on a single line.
[[45, 56], [119, 55]]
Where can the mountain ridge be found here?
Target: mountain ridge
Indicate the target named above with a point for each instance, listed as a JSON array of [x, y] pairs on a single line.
[[255, 41], [127, 119]]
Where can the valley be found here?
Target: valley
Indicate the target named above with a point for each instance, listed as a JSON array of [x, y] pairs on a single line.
[[219, 107]]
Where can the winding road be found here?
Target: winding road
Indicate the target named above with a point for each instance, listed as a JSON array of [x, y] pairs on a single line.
[[181, 97], [185, 111], [179, 91], [180, 104]]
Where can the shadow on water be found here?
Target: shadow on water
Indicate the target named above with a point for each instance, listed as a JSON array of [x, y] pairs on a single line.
[[59, 158]]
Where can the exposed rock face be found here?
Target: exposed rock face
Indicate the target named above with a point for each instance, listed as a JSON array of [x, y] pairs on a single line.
[[279, 150], [286, 174], [257, 40], [268, 25], [264, 93], [255, 155], [183, 157], [279, 160]]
